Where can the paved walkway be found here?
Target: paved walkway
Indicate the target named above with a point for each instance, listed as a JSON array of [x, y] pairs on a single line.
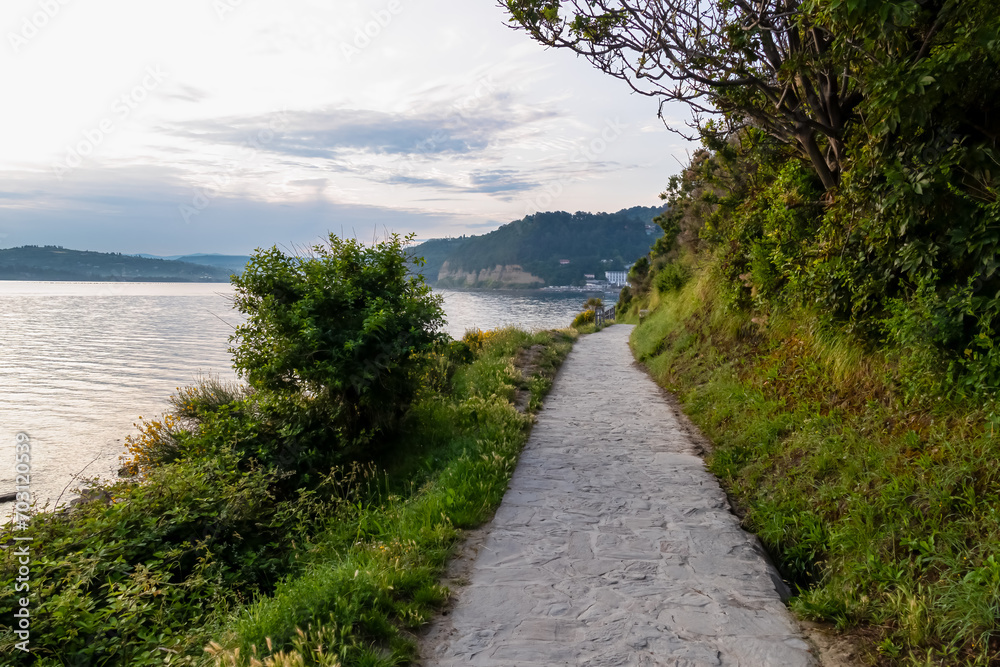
[[614, 545]]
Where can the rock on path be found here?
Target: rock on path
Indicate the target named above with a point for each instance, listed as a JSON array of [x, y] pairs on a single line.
[[614, 545]]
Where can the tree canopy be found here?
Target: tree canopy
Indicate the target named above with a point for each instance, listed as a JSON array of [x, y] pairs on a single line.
[[851, 160], [591, 242], [804, 71]]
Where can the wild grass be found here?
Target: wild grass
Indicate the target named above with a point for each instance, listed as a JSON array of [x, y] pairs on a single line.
[[275, 564], [881, 511], [370, 579]]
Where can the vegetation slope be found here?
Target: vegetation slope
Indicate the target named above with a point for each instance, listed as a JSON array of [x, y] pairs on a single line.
[[300, 518], [591, 242]]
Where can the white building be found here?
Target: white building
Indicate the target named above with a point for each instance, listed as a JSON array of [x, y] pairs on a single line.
[[618, 278]]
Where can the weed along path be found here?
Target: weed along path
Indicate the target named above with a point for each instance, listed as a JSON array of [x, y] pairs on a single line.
[[614, 545]]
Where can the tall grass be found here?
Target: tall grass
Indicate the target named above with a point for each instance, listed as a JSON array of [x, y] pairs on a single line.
[[882, 512], [370, 578], [283, 563]]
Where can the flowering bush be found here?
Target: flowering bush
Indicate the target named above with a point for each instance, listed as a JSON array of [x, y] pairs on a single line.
[[584, 318], [155, 443], [476, 338]]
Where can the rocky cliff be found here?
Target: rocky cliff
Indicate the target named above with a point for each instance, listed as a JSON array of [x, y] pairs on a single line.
[[510, 276]]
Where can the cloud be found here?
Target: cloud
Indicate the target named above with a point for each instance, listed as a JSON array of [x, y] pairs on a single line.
[[184, 93], [500, 181], [18, 195], [402, 179], [485, 182], [340, 133], [316, 182], [137, 210]]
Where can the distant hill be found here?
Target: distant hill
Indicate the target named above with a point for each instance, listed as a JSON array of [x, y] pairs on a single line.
[[554, 248], [234, 263], [57, 263]]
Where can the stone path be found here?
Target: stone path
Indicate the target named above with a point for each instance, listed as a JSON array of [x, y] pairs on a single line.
[[614, 545]]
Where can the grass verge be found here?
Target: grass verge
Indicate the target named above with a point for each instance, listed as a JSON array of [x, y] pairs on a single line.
[[370, 579], [882, 512], [280, 564]]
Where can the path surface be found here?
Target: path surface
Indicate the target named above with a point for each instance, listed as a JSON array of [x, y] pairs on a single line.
[[614, 545]]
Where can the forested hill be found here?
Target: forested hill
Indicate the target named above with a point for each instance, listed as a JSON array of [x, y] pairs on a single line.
[[57, 263], [552, 248]]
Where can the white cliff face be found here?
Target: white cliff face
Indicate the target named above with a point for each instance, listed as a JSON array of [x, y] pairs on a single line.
[[508, 275]]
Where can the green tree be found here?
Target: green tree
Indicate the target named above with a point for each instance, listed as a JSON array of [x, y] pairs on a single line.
[[800, 70], [339, 329], [735, 63]]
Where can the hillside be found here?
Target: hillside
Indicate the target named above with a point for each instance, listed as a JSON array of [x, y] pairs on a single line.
[[552, 248], [57, 263], [234, 263]]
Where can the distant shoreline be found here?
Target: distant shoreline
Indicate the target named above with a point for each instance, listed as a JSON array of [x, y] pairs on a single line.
[[568, 289], [91, 279]]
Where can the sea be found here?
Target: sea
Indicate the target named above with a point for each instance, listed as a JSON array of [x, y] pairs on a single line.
[[82, 363]]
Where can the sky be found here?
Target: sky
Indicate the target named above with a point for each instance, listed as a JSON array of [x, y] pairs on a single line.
[[221, 126]]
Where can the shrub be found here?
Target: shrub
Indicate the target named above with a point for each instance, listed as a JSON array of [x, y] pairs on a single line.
[[583, 319], [156, 443], [207, 395], [343, 327], [182, 432], [638, 275], [624, 301], [476, 338], [671, 278], [459, 352], [141, 568]]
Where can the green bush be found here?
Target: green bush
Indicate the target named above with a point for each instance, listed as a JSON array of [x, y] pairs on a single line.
[[459, 352], [671, 278], [344, 326], [139, 566], [638, 275], [624, 301]]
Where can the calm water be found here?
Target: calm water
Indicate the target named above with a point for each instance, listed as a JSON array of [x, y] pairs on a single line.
[[81, 362]]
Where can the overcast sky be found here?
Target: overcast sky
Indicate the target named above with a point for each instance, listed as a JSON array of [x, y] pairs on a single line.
[[225, 125]]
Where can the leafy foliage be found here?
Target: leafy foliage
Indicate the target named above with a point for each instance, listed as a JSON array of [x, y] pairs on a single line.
[[583, 318], [142, 563], [880, 515], [808, 74], [593, 243], [343, 327], [217, 539]]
